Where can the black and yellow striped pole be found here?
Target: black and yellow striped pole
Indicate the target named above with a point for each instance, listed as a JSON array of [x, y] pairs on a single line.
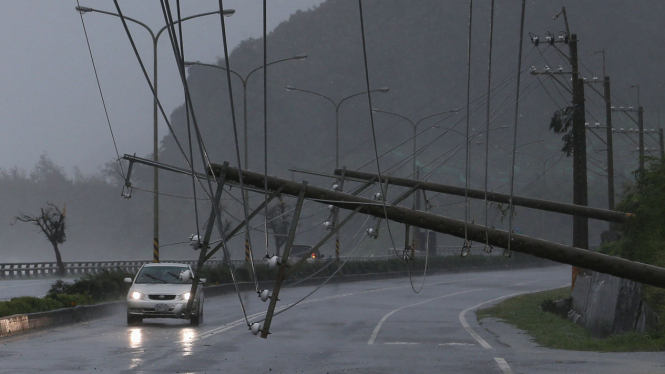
[[248, 258], [337, 248], [155, 249]]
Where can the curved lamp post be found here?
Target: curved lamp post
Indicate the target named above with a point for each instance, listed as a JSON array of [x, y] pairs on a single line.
[[416, 197], [337, 105], [244, 89], [155, 40], [415, 128]]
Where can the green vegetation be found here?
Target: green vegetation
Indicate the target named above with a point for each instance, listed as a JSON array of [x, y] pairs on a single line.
[[89, 289], [107, 285], [552, 331], [642, 237]]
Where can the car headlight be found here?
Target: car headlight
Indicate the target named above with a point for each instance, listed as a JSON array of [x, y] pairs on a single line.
[[184, 296], [136, 295]]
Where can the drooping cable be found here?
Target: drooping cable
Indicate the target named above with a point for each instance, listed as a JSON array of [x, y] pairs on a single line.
[[467, 165], [235, 136], [101, 94], [371, 116], [265, 120], [487, 132], [427, 209], [324, 282], [204, 156], [508, 251], [189, 130]]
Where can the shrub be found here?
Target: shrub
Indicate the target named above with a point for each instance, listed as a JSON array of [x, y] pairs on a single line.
[[103, 286]]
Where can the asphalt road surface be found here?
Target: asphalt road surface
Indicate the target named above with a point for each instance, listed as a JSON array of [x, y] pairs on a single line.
[[365, 327]]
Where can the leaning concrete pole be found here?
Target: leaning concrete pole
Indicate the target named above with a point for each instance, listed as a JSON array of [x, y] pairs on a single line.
[[528, 202], [619, 267]]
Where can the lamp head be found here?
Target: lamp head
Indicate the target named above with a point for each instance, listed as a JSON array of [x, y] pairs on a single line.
[[228, 12], [300, 57], [383, 89], [83, 9], [290, 88]]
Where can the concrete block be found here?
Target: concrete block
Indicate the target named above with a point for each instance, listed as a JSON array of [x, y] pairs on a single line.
[[628, 307], [580, 297], [606, 305]]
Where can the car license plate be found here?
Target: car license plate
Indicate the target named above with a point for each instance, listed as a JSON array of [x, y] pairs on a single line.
[[161, 307]]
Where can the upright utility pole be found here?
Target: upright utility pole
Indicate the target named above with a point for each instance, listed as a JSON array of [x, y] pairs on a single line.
[[610, 149], [580, 193], [640, 124], [415, 241], [660, 140]]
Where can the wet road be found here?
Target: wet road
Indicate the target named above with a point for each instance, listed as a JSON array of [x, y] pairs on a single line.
[[366, 327]]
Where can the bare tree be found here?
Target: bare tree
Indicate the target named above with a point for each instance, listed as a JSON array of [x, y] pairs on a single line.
[[51, 222]]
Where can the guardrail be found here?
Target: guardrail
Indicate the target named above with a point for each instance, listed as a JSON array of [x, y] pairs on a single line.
[[50, 269]]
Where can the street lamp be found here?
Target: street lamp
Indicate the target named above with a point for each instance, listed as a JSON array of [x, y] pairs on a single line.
[[416, 197], [244, 89], [415, 128], [155, 39], [337, 105]]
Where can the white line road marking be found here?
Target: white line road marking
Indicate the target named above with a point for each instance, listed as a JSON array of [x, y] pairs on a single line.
[[503, 365], [522, 284], [457, 344], [378, 327], [252, 317], [401, 343]]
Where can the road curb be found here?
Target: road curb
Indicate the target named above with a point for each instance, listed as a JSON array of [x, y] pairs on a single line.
[[24, 323]]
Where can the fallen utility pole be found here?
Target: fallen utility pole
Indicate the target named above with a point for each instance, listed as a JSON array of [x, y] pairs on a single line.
[[619, 267], [527, 202]]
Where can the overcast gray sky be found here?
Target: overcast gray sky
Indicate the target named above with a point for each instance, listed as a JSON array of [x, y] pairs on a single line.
[[49, 99]]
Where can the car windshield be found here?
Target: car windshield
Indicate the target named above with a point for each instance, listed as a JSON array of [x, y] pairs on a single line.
[[162, 274]]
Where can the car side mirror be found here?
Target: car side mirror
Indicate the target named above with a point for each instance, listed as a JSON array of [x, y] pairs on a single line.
[[202, 280], [128, 280], [185, 276]]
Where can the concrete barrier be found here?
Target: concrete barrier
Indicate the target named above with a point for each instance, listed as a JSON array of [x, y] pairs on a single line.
[[23, 323], [607, 305]]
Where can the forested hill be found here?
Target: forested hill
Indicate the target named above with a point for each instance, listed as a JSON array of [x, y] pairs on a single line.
[[418, 50]]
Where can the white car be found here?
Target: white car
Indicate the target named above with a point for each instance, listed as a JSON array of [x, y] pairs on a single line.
[[162, 290]]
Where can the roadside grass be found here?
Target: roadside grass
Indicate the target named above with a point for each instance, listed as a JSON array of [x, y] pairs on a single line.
[[551, 331]]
